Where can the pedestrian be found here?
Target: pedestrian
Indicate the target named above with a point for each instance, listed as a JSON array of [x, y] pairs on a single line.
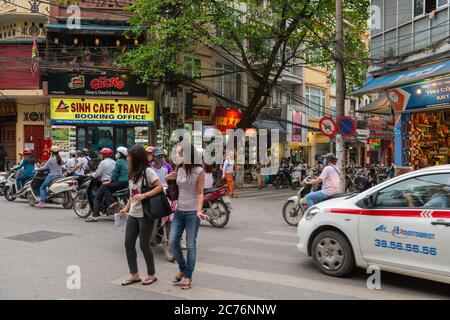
[[137, 224], [54, 164], [190, 179], [227, 172], [3, 156]]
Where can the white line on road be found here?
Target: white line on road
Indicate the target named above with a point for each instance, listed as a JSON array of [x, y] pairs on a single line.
[[255, 254], [196, 293], [270, 242], [303, 283], [283, 233]]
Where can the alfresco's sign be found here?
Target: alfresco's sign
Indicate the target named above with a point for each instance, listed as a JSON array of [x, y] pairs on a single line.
[[95, 111]]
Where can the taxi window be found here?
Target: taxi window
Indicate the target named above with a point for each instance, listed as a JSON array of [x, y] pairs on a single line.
[[427, 191]]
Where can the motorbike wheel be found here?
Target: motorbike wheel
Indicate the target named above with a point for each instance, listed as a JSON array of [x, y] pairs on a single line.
[[30, 198], [224, 217], [81, 205], [166, 247], [292, 218], [9, 194], [68, 200]]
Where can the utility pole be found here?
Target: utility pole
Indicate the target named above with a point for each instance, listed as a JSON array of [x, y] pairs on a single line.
[[340, 88]]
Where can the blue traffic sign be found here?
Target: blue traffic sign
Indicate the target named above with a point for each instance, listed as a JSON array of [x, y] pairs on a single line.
[[346, 126]]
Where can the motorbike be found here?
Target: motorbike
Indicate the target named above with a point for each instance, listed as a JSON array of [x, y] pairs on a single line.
[[58, 192], [83, 201], [217, 206], [10, 190], [282, 179], [295, 207], [3, 181], [297, 175]]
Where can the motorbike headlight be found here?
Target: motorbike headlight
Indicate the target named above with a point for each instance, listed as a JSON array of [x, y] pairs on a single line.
[[311, 212]]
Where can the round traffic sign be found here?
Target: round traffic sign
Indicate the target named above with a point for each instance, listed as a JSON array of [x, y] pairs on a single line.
[[327, 126], [346, 126]]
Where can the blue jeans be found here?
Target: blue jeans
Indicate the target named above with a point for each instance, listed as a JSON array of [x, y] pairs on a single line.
[[44, 186], [24, 176], [185, 220], [315, 197]]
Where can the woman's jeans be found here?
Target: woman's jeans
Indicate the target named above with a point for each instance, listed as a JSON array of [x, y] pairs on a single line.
[[24, 176], [185, 220], [143, 228], [44, 186], [315, 197]]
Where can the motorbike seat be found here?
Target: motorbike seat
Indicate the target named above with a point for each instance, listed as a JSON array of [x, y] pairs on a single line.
[[211, 190], [61, 180]]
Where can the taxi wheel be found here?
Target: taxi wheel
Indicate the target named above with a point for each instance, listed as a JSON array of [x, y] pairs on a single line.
[[333, 254]]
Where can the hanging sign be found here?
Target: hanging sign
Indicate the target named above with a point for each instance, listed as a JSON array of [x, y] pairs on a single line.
[[225, 118], [327, 126], [96, 111]]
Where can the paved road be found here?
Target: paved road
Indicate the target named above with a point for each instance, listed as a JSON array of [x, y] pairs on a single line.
[[254, 257]]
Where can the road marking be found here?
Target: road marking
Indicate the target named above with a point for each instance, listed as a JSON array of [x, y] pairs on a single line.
[[255, 254], [270, 242], [283, 233], [303, 283], [195, 293]]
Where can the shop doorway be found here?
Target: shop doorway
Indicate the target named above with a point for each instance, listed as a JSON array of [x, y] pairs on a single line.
[[34, 139], [8, 141]]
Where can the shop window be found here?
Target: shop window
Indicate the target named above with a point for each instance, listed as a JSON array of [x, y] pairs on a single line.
[[100, 137], [81, 138]]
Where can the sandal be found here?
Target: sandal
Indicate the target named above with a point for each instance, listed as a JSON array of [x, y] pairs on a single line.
[[178, 278], [129, 281], [149, 281], [91, 219], [186, 286]]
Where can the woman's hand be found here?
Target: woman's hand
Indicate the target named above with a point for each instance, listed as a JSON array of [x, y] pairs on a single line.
[[202, 216], [171, 176], [123, 212], [139, 197]]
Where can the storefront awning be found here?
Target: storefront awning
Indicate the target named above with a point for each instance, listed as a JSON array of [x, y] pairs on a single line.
[[267, 124], [404, 77], [380, 105], [86, 28]]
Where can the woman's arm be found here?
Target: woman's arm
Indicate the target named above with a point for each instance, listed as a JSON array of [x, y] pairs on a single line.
[[126, 208], [200, 188], [157, 188]]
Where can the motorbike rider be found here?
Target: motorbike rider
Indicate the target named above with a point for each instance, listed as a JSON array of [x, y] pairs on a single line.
[[104, 173], [71, 163], [54, 164], [329, 178], [28, 164]]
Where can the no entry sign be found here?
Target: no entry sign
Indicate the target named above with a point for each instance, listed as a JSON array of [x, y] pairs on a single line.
[[327, 126], [346, 126]]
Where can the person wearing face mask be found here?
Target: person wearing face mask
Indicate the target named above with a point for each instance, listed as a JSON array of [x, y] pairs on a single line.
[[104, 173]]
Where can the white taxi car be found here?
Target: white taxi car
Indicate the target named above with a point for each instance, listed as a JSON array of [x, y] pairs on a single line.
[[401, 225]]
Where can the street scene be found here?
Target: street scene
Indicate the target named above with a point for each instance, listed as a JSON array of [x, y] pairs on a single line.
[[225, 150]]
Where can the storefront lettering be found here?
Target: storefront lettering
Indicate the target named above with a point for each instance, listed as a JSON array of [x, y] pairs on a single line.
[[103, 82]]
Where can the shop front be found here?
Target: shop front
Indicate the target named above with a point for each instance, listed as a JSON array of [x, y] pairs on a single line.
[[99, 123]]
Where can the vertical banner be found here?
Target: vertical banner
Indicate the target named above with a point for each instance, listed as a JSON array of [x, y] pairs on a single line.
[[296, 129]]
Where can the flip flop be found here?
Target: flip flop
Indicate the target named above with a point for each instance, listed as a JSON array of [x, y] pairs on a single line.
[[186, 286], [177, 279], [148, 282], [128, 282], [90, 219]]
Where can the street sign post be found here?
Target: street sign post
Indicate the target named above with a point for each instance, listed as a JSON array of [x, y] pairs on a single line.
[[327, 126], [346, 126]]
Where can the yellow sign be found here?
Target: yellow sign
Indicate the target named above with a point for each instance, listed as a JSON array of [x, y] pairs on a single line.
[[96, 111]]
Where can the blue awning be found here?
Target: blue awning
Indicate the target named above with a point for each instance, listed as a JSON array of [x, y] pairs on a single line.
[[404, 77], [268, 124], [86, 28]]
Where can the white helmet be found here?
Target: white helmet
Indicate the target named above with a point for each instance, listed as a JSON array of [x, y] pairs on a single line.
[[123, 151]]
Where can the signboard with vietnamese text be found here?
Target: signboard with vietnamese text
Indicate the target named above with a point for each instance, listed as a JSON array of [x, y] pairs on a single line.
[[96, 111], [226, 118], [77, 84], [434, 93]]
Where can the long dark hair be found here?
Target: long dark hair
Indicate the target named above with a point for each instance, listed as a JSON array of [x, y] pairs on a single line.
[[138, 162], [188, 166]]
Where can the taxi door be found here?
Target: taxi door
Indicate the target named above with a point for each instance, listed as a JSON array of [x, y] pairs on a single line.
[[407, 225]]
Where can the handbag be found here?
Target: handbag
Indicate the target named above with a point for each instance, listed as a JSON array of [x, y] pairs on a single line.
[[172, 191], [156, 206]]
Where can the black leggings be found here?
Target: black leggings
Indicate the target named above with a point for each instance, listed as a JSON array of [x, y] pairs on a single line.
[[143, 228]]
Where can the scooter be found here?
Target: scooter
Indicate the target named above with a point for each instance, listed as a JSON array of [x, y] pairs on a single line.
[[58, 192], [10, 189], [3, 181], [295, 207], [217, 206], [83, 201]]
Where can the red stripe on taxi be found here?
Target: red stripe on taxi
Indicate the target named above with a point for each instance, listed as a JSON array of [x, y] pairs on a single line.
[[394, 213]]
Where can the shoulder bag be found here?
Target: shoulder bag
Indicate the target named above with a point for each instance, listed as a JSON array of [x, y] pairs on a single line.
[[156, 206]]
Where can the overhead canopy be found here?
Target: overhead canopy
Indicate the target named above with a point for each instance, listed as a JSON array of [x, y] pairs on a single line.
[[404, 77], [380, 105], [268, 124], [86, 28]]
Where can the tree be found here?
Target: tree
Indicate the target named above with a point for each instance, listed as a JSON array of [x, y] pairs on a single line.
[[261, 37]]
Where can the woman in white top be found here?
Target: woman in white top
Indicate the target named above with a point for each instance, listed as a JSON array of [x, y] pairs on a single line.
[[190, 178], [137, 224]]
